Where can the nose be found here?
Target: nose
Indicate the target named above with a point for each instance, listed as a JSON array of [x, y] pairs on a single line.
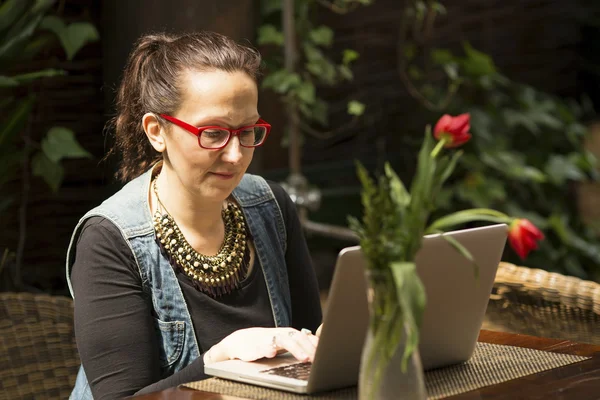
[[232, 153]]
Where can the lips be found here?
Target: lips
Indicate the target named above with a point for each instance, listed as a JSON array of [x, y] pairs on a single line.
[[224, 175]]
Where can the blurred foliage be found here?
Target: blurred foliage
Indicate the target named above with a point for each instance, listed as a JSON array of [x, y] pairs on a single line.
[[27, 29], [527, 154], [313, 65]]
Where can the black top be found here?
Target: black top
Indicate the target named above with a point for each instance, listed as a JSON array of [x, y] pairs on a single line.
[[113, 316]]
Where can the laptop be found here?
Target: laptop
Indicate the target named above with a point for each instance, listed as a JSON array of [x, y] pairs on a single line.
[[456, 305]]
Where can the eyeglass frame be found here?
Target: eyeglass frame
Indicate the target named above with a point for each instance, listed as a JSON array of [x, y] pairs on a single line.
[[197, 131]]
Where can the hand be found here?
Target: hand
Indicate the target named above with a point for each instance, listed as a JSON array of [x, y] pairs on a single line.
[[253, 343], [318, 333]]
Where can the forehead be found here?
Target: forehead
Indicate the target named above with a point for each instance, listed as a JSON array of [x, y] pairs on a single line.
[[226, 94]]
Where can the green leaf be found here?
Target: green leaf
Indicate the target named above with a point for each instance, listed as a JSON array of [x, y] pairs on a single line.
[[20, 32], [411, 295], [282, 81], [464, 216], [476, 63], [269, 34], [7, 81], [53, 24], [16, 121], [322, 36], [73, 36], [10, 11], [397, 189], [442, 56], [345, 72], [319, 111], [349, 56], [448, 168], [45, 73], [560, 169], [60, 143], [356, 108], [78, 34], [50, 171], [305, 92]]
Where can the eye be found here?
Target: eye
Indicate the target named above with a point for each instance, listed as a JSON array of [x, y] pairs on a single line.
[[213, 133]]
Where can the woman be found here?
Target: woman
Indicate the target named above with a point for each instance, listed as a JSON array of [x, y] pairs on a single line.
[[193, 261]]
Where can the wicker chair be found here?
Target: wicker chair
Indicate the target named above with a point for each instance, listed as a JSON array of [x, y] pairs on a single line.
[[38, 353], [540, 303]]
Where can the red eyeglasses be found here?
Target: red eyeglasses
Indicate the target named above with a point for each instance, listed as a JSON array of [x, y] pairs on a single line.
[[217, 137]]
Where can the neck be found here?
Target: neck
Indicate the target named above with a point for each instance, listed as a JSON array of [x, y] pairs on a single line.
[[188, 209]]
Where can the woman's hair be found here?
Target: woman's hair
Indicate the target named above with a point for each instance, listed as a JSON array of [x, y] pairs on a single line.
[[151, 82]]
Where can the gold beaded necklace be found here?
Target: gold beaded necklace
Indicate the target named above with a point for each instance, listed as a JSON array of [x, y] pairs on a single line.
[[215, 275]]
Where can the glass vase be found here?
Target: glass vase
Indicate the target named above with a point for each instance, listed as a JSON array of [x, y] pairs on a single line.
[[381, 374]]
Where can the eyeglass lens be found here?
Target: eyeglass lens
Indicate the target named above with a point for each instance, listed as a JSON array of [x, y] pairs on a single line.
[[216, 138]]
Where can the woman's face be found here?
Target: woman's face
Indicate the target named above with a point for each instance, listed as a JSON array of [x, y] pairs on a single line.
[[215, 98]]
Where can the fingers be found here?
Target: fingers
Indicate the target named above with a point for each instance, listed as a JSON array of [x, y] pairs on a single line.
[[272, 347], [301, 345], [318, 333]]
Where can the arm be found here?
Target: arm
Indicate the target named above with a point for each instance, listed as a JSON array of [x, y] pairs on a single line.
[[304, 289], [113, 318], [306, 305]]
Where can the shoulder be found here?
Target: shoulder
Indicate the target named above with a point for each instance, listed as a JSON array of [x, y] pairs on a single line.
[[98, 231], [281, 196], [252, 190]]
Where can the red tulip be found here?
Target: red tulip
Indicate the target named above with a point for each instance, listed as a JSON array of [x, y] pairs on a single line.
[[454, 129], [523, 237]]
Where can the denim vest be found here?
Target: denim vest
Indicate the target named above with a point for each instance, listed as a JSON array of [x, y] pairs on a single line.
[[129, 211]]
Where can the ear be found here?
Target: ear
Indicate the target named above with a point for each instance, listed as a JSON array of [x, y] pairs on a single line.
[[154, 131]]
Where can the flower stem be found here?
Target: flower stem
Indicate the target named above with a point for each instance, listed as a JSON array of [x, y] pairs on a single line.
[[439, 147]]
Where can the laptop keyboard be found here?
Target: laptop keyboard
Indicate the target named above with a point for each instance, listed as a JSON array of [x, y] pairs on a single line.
[[297, 371]]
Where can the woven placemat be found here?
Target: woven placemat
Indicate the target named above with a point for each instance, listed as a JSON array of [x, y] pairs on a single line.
[[490, 364]]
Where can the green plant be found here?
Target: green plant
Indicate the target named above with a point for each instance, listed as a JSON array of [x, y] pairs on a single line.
[[529, 155], [529, 150], [391, 233], [27, 28], [297, 76]]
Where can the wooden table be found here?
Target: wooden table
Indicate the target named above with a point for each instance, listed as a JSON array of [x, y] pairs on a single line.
[[579, 381]]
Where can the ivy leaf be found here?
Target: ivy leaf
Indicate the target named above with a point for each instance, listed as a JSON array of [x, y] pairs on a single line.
[[319, 111], [356, 108], [477, 63], [269, 34], [306, 92], [442, 56], [322, 36], [282, 81], [349, 56], [73, 36], [60, 143], [52, 172], [345, 72]]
